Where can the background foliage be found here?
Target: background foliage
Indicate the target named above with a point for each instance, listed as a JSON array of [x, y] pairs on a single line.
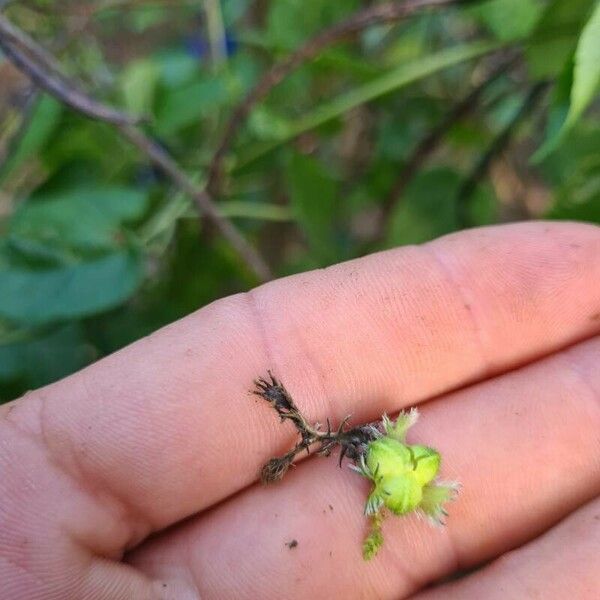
[[97, 248]]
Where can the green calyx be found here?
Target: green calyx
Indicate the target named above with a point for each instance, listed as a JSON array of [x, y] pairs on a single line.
[[403, 477]]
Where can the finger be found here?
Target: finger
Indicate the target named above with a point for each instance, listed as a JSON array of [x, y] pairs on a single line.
[[525, 446], [165, 427], [563, 563]]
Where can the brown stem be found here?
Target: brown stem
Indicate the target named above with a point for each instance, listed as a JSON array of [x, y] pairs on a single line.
[[385, 12], [41, 68], [533, 97], [427, 146], [352, 441]]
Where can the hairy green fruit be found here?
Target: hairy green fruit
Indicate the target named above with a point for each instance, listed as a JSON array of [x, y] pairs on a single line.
[[404, 479]]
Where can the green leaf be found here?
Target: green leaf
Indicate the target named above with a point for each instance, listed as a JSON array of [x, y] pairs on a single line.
[[557, 113], [587, 68], [186, 105], [427, 209], [391, 81], [37, 297], [555, 37], [291, 22], [578, 198], [84, 220], [43, 122], [312, 195], [176, 67], [585, 76], [509, 19], [139, 82]]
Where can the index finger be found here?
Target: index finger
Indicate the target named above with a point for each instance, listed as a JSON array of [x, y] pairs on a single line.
[[165, 427]]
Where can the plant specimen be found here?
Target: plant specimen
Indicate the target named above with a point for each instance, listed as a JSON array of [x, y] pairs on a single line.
[[404, 476]]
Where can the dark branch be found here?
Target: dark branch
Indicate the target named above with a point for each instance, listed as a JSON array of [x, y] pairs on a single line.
[[41, 67], [427, 146], [352, 442], [535, 95], [378, 14]]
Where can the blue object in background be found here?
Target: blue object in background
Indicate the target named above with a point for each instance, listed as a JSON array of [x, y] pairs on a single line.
[[199, 47]]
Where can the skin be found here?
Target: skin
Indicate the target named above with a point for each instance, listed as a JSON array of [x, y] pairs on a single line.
[[492, 332]]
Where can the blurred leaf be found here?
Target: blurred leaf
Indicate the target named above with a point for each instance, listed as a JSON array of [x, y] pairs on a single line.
[[176, 67], [43, 359], [558, 109], [200, 94], [403, 75], [555, 36], [42, 124], [509, 19], [235, 209], [79, 220], [92, 149], [578, 196], [587, 67], [428, 208], [291, 22], [185, 106], [265, 124], [312, 195], [559, 167], [150, 16], [37, 297], [585, 77], [139, 81]]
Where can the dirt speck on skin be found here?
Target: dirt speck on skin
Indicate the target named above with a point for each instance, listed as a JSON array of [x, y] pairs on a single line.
[[331, 508], [291, 545]]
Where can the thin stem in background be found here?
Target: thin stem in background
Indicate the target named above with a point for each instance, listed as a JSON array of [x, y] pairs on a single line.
[[216, 32], [500, 142], [42, 68], [387, 12]]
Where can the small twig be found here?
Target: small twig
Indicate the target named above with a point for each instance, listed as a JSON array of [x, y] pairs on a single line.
[[535, 94], [351, 441], [427, 146], [36, 63], [216, 32], [378, 14], [40, 67]]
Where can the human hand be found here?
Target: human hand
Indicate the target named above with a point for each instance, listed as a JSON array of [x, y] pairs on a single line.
[[490, 331]]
